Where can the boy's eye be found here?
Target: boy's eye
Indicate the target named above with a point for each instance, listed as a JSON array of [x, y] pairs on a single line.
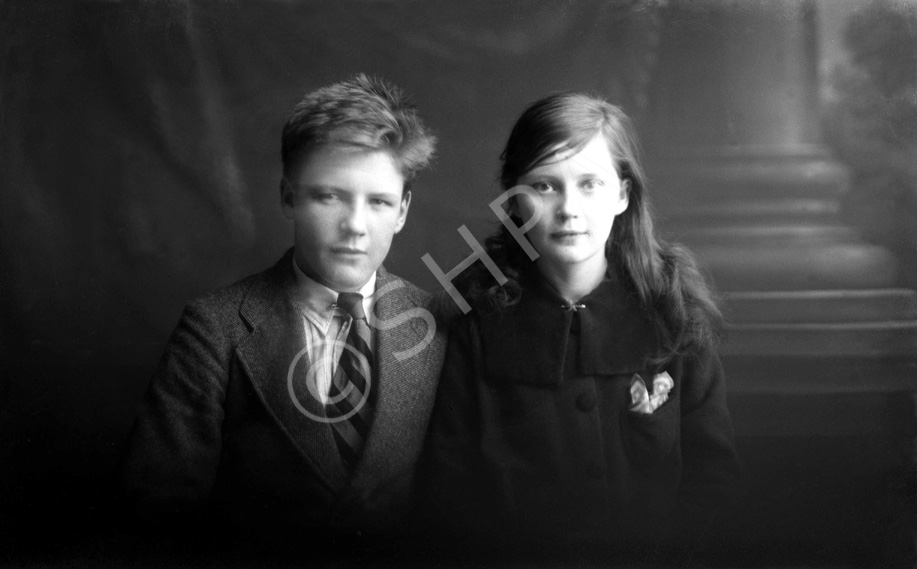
[[379, 202]]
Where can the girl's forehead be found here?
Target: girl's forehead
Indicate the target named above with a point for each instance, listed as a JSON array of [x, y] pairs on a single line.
[[594, 155]]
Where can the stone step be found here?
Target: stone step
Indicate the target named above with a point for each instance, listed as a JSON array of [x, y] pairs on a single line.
[[798, 266], [767, 218], [766, 235], [820, 306], [861, 339], [758, 173], [815, 375], [777, 211]]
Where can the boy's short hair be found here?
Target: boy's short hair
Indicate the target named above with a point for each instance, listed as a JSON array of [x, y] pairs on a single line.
[[365, 112]]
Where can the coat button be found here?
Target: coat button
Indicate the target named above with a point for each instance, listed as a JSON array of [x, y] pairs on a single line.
[[594, 471], [585, 401]]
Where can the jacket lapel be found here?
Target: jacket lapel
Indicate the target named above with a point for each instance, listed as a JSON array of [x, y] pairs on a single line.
[[405, 391], [275, 357]]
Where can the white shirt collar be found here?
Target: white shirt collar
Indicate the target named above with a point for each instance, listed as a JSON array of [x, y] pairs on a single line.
[[316, 301]]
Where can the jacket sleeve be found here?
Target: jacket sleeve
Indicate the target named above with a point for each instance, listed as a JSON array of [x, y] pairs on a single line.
[[711, 470], [172, 454], [457, 495]]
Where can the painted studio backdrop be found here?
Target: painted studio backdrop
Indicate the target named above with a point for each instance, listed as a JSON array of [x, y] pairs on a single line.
[[140, 167]]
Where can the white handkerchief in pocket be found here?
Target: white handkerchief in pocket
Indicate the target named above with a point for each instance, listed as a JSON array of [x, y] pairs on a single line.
[[642, 401]]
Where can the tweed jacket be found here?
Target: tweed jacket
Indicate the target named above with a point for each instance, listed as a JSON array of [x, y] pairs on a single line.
[[229, 431]]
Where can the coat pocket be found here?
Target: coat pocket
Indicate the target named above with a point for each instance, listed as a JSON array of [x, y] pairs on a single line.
[[651, 439]]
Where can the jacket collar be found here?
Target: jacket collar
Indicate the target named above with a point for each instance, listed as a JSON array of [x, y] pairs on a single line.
[[317, 302], [275, 358], [527, 342], [398, 331], [260, 301], [277, 339]]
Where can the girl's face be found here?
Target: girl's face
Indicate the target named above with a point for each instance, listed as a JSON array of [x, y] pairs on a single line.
[[580, 195]]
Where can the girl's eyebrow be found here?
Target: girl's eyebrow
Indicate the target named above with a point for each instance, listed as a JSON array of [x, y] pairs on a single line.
[[599, 173], [534, 174]]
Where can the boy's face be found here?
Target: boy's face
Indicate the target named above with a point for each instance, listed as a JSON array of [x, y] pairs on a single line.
[[346, 205]]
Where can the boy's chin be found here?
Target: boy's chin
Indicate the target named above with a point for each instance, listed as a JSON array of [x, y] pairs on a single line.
[[347, 281]]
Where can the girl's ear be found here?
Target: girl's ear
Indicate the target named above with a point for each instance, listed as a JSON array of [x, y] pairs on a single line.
[[623, 197], [512, 207]]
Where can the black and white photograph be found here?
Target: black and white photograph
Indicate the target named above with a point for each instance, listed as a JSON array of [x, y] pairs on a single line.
[[429, 283]]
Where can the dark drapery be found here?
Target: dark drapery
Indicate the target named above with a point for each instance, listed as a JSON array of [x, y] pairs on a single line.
[[139, 167]]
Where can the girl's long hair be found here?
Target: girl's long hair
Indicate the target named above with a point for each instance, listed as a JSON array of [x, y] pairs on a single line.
[[664, 278]]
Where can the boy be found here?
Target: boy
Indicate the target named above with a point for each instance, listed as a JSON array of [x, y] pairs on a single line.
[[293, 404]]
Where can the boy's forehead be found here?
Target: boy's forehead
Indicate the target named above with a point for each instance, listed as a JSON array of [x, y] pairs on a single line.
[[331, 154], [346, 166]]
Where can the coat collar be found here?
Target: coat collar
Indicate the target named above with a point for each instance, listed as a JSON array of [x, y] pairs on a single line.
[[527, 342]]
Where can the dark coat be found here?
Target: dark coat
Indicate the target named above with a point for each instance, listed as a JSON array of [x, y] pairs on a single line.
[[532, 441], [224, 434]]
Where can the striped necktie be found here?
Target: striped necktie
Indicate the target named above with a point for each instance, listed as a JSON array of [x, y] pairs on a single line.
[[350, 407]]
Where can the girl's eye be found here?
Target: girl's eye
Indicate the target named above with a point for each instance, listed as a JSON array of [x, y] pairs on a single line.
[[542, 187], [592, 184]]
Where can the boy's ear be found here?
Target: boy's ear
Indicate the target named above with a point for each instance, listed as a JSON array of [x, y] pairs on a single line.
[[403, 210], [287, 198]]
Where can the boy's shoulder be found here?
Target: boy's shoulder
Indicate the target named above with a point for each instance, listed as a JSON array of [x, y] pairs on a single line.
[[248, 296]]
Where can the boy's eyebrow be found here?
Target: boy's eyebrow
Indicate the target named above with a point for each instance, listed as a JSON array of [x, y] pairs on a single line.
[[340, 190], [319, 187]]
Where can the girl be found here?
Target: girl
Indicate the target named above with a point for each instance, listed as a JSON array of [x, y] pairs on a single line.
[[581, 403]]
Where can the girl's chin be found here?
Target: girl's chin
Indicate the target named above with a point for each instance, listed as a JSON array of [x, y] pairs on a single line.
[[568, 259]]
